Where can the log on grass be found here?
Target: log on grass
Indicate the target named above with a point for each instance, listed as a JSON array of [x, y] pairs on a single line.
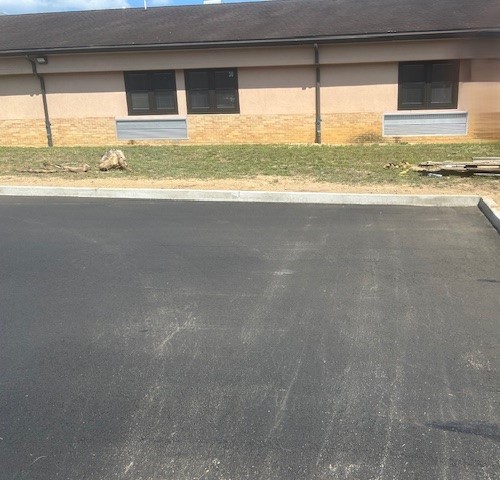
[[113, 159]]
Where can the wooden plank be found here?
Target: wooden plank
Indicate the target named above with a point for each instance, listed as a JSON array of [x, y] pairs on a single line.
[[486, 159]]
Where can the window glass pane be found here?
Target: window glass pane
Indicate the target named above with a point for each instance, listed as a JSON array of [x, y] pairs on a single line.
[[412, 94], [225, 79], [442, 72], [441, 93], [163, 81], [198, 80], [226, 99], [151, 92], [431, 84], [199, 99], [212, 90], [140, 101], [165, 100], [413, 72], [137, 81]]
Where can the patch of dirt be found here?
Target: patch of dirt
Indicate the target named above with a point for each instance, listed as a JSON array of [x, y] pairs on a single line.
[[286, 184]]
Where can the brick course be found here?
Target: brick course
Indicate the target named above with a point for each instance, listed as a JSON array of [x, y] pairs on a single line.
[[485, 126], [342, 128], [23, 133], [229, 129], [339, 128], [84, 131]]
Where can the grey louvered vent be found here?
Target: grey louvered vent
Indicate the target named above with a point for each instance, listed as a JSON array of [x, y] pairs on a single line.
[[417, 124], [151, 129]]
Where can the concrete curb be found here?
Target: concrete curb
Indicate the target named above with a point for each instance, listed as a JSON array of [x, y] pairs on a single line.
[[491, 211], [487, 206], [246, 196]]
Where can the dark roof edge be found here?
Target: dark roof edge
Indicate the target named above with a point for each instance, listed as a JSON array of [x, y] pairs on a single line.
[[483, 32]]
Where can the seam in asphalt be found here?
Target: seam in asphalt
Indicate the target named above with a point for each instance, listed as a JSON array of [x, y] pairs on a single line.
[[486, 205]]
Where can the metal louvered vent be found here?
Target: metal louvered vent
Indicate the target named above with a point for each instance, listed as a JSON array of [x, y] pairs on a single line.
[[419, 124], [151, 129]]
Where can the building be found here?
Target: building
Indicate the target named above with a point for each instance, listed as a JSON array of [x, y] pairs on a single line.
[[284, 71]]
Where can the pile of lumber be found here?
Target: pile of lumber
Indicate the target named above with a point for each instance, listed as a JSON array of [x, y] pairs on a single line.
[[482, 166]]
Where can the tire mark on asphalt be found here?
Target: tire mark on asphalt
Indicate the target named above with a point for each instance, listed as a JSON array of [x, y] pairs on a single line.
[[355, 381], [282, 405], [393, 418]]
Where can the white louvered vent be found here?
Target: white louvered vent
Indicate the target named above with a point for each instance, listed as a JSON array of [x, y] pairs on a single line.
[[419, 124], [151, 129]]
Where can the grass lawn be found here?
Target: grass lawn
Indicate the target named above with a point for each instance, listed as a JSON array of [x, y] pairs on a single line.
[[360, 164]]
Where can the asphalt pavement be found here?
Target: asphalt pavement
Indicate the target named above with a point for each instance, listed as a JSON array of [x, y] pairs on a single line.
[[154, 340]]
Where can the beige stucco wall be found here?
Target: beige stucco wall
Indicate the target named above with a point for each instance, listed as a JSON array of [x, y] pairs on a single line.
[[479, 94], [277, 90], [359, 88], [480, 89], [89, 95], [410, 51], [260, 57], [181, 92], [367, 87], [20, 97]]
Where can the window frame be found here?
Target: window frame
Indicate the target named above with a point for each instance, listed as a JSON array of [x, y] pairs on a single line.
[[212, 91], [427, 87], [151, 92]]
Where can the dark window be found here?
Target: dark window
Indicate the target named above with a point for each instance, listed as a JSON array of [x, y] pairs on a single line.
[[151, 93], [212, 91], [428, 85]]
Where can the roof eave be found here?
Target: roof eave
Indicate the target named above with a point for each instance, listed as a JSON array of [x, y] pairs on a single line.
[[370, 37]]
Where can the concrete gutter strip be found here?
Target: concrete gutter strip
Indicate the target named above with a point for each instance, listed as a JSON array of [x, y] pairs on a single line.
[[491, 211], [246, 196], [361, 199], [487, 206]]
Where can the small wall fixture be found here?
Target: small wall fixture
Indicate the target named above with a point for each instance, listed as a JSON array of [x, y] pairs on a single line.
[[41, 60]]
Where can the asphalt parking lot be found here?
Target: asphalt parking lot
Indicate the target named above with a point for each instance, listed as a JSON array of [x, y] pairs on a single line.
[[153, 340]]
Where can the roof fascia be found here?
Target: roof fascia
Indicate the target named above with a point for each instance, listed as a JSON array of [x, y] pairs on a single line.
[[376, 37]]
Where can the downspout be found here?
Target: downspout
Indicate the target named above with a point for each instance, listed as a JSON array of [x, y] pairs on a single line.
[[318, 94], [48, 127]]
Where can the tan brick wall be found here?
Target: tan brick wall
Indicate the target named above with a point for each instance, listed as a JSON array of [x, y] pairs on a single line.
[[23, 133], [341, 128], [202, 129], [251, 129], [485, 126], [84, 131], [337, 128]]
